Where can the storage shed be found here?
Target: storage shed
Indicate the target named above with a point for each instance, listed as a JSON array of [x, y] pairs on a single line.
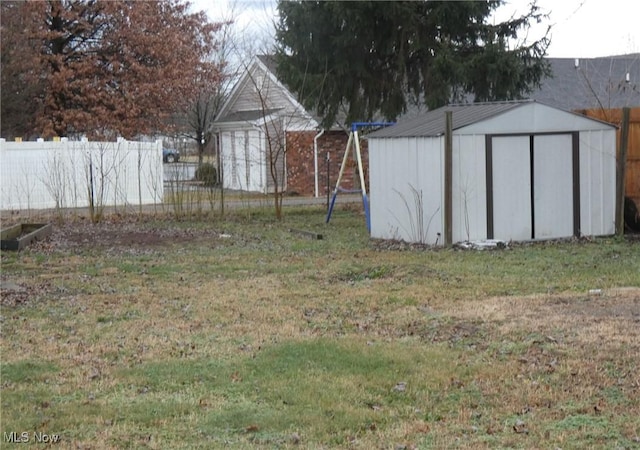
[[514, 171]]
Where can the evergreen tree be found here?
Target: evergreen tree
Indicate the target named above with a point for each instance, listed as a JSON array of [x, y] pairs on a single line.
[[374, 58]]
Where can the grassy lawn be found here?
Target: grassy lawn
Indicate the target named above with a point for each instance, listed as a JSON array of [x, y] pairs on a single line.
[[239, 333]]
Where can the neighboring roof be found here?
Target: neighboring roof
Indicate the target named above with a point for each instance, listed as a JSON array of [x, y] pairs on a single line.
[[594, 83], [283, 100], [432, 123], [271, 64]]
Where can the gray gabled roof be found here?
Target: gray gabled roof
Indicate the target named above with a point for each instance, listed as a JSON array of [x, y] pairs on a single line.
[[432, 123], [594, 83], [591, 83]]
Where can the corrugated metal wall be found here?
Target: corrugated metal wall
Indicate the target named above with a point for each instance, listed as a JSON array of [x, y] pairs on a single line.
[[632, 181], [469, 199], [406, 179], [597, 182]]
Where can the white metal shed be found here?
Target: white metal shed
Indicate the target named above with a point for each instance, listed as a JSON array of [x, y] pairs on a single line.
[[518, 171]]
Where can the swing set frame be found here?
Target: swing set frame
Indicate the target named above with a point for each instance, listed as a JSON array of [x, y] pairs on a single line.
[[353, 146]]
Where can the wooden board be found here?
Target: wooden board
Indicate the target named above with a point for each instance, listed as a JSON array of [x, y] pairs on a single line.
[[19, 236]]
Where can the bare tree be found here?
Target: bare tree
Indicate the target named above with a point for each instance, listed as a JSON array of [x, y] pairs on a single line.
[[210, 96], [277, 117]]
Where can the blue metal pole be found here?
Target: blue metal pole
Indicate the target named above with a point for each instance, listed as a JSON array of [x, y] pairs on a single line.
[[333, 202], [367, 216]]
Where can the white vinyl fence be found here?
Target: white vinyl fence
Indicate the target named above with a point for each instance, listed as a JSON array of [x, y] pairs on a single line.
[[72, 174]]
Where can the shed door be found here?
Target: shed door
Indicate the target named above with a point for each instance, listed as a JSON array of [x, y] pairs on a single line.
[[511, 188], [553, 186], [533, 186]]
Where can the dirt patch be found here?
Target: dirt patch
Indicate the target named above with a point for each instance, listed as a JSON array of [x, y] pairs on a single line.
[[20, 294], [121, 235], [609, 317]]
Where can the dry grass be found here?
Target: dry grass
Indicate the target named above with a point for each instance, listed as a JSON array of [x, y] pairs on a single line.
[[216, 334]]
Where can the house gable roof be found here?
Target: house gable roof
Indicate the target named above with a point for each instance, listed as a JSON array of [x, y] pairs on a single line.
[[254, 109]]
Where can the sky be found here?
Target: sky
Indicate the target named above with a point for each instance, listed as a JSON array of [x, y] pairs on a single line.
[[579, 28], [587, 28]]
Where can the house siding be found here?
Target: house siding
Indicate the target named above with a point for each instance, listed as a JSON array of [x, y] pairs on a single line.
[[259, 92], [259, 128]]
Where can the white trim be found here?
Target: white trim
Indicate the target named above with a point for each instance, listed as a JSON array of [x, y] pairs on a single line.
[[229, 126]]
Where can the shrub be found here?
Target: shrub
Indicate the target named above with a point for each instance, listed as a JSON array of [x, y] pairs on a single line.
[[207, 174]]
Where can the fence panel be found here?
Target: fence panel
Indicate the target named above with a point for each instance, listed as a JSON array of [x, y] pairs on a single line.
[[70, 174]]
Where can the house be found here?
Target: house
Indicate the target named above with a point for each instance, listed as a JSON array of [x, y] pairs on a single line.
[[518, 171], [268, 141]]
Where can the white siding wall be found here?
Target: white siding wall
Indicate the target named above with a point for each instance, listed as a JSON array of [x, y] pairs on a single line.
[[227, 160], [258, 91], [401, 166], [244, 158], [406, 180], [255, 146]]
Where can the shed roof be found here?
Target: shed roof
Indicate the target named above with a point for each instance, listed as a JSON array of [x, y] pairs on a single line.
[[432, 123]]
